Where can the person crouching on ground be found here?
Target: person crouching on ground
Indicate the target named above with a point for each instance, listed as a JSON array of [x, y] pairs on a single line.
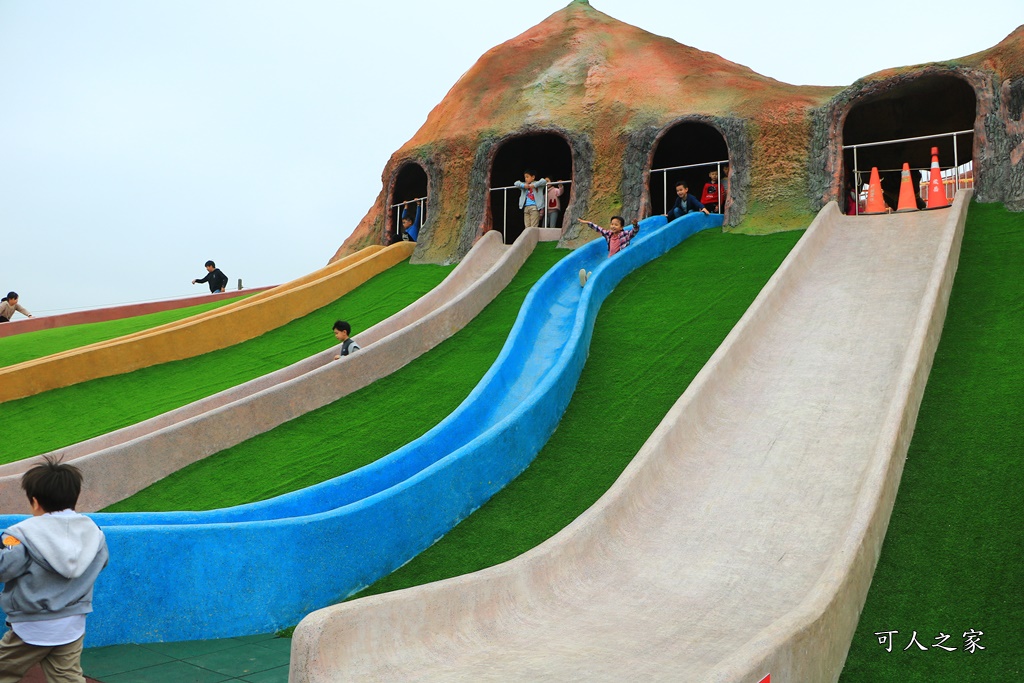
[[48, 564], [8, 305], [342, 330]]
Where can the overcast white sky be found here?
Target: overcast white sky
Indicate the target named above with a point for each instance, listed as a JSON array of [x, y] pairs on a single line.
[[138, 139]]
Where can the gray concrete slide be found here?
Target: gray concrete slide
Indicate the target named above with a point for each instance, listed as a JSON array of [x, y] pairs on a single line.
[[741, 540], [123, 462]]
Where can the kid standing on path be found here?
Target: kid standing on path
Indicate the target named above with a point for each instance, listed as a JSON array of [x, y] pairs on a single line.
[[48, 564], [218, 280]]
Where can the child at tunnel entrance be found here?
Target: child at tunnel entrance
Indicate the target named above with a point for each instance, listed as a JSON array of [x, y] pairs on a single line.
[[411, 224], [711, 194], [531, 191], [685, 202]]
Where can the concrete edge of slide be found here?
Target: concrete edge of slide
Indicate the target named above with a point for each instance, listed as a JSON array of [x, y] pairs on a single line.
[[810, 643], [121, 463], [210, 331], [119, 312]]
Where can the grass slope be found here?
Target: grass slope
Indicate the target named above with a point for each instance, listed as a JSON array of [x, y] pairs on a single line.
[[68, 415], [952, 557], [357, 429], [652, 336], [31, 345]]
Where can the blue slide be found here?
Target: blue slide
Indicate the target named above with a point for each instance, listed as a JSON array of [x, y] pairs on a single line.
[[260, 567]]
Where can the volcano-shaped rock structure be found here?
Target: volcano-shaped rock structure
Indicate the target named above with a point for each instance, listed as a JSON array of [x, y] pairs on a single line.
[[609, 94]]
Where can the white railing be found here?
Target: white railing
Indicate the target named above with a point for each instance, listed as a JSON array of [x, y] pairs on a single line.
[[504, 209], [421, 203], [954, 173], [664, 178]]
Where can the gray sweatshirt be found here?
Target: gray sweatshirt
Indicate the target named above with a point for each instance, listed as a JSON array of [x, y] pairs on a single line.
[[48, 565]]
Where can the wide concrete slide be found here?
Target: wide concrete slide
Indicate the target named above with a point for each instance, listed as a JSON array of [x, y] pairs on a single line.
[[741, 540], [231, 324], [125, 461], [118, 312]]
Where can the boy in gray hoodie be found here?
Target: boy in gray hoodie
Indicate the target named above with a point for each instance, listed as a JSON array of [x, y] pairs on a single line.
[[48, 564]]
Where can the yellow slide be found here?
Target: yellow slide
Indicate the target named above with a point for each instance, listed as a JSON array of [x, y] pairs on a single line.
[[199, 334]]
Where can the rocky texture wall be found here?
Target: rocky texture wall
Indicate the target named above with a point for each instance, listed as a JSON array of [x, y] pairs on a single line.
[[612, 90]]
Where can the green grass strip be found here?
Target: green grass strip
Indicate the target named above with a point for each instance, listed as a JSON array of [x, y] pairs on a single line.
[[953, 556], [357, 429], [68, 415], [31, 345], [651, 337]]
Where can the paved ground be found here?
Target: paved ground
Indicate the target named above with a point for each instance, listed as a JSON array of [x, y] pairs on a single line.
[[255, 659]]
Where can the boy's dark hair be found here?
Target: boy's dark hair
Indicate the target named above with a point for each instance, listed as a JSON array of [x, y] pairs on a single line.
[[682, 183], [54, 484], [342, 326], [531, 172], [11, 295], [621, 220], [211, 264]]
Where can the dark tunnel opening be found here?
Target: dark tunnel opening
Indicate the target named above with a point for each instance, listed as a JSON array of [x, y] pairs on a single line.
[[410, 184], [691, 144], [929, 105], [546, 153]]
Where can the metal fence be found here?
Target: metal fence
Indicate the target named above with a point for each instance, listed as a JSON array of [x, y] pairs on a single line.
[[707, 164], [504, 210], [953, 177], [421, 203]]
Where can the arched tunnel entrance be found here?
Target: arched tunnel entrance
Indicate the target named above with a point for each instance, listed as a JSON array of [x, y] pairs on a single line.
[[549, 155], [696, 147], [929, 105], [408, 195]]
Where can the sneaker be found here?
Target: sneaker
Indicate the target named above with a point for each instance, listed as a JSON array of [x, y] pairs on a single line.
[[583, 277]]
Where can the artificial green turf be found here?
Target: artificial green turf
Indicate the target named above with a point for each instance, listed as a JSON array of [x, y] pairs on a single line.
[[652, 336], [356, 429], [68, 415], [31, 345], [953, 556]]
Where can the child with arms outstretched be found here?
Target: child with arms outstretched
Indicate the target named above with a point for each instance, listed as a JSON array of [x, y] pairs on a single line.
[[617, 236]]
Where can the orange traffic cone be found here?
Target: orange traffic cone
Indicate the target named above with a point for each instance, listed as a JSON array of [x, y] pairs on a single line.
[[875, 203], [936, 190], [908, 199]]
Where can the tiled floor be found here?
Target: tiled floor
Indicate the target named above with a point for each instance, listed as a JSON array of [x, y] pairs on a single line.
[[255, 659]]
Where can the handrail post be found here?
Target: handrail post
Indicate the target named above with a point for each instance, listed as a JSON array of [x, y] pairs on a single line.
[[545, 206], [718, 195], [504, 218], [856, 185], [956, 168]]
